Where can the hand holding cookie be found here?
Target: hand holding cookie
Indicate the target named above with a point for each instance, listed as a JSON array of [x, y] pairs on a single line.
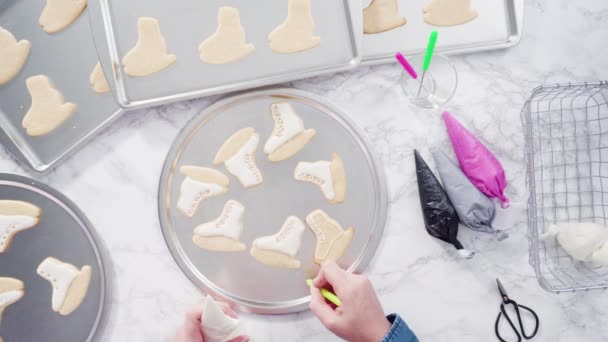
[[360, 316]]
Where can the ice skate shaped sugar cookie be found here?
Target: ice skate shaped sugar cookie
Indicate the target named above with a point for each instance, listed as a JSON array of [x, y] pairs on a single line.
[[449, 12], [48, 110], [59, 14], [13, 55], [328, 175], [11, 290], [98, 80], [296, 33], [200, 183], [223, 233], [150, 54], [69, 284], [280, 249], [289, 135], [332, 240], [381, 16], [16, 216], [238, 155], [228, 43]]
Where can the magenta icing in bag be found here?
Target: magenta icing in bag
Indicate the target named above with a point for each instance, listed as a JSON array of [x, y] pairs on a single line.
[[476, 161]]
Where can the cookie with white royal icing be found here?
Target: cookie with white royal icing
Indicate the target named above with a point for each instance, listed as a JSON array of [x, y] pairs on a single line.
[[280, 249], [332, 240], [70, 285], [328, 175], [16, 216], [11, 290], [223, 233], [238, 155], [200, 183], [288, 136]]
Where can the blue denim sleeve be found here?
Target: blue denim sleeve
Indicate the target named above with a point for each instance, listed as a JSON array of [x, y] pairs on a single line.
[[399, 332]]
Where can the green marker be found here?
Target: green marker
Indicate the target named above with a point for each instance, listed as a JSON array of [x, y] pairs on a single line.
[[430, 48], [327, 294]]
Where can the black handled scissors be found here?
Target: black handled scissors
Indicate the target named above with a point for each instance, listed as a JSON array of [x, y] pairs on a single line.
[[506, 301]]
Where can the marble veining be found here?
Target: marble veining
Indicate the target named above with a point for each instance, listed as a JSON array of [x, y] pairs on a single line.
[[442, 297]]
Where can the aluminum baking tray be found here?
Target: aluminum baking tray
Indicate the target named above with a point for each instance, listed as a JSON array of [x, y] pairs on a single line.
[[499, 25], [67, 57], [187, 24], [237, 277], [64, 233]]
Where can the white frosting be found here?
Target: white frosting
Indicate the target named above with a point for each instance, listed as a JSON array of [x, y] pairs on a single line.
[[287, 124], [13, 224], [600, 255], [229, 224], [579, 240], [192, 192], [242, 164], [217, 326], [9, 297], [318, 173], [60, 275], [287, 240]]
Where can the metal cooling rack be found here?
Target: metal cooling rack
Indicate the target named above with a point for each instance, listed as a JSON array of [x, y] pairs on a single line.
[[566, 131]]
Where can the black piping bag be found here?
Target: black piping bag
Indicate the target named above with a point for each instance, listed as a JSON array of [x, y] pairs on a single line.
[[474, 209], [440, 218]]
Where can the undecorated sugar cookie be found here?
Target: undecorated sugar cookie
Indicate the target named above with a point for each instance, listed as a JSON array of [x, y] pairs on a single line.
[[59, 14], [13, 55], [16, 216], [328, 175], [228, 43], [217, 326], [48, 110], [150, 54], [280, 249], [332, 240], [238, 155], [223, 233], [296, 33], [288, 136], [449, 12], [200, 183], [98, 80], [11, 290], [381, 16], [69, 284]]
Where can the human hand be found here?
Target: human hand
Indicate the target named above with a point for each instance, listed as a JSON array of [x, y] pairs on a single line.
[[190, 330], [360, 318]]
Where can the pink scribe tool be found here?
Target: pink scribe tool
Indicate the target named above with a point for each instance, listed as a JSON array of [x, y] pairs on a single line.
[[476, 161], [406, 65]]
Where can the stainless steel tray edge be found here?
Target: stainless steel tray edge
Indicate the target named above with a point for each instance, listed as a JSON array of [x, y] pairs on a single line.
[[516, 7], [169, 166], [103, 38]]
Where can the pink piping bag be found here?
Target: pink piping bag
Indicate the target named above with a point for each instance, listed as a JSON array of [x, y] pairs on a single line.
[[476, 161]]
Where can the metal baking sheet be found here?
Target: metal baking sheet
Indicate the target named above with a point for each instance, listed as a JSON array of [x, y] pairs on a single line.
[[237, 277], [67, 58], [499, 25], [64, 233], [187, 24]]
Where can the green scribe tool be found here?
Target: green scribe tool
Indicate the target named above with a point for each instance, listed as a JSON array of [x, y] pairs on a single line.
[[430, 48], [327, 294]]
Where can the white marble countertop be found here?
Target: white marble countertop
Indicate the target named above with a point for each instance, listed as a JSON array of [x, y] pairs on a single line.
[[114, 180]]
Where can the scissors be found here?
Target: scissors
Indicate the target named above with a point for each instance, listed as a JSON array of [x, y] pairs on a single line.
[[506, 301]]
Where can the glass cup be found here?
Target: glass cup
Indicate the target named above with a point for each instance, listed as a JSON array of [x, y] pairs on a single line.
[[437, 87]]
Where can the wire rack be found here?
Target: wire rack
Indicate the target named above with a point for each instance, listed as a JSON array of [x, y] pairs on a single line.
[[566, 131]]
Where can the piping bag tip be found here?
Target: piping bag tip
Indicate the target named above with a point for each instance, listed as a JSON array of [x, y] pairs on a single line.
[[465, 253], [504, 202], [500, 235]]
